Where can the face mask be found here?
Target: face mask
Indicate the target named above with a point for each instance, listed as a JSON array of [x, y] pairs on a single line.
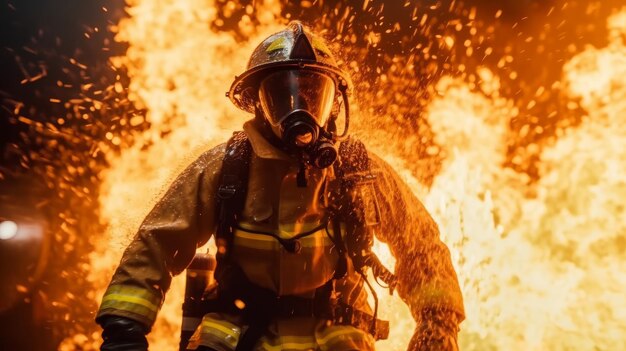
[[297, 104]]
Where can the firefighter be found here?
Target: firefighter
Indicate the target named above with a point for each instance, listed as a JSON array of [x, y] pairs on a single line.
[[293, 203]]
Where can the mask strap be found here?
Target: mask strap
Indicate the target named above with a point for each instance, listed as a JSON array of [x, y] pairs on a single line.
[[343, 88]]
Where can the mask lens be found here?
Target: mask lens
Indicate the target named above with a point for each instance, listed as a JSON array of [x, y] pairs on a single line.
[[286, 91]]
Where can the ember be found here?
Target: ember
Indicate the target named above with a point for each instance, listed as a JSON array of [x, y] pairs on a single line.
[[514, 145]]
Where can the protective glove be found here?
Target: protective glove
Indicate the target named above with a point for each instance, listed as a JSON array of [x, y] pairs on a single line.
[[436, 331], [123, 334]]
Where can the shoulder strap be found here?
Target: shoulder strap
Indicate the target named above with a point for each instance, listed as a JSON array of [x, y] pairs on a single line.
[[362, 213], [353, 166], [231, 195]]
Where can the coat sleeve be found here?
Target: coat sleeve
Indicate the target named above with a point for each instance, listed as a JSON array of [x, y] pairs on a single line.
[[426, 278], [165, 243]]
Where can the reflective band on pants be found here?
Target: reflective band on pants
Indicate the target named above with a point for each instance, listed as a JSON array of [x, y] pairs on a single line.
[[221, 332], [216, 332]]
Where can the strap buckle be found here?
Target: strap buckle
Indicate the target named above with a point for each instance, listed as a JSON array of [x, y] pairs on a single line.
[[226, 192]]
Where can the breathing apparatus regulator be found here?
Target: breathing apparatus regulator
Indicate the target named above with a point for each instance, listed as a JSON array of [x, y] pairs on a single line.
[[295, 88]]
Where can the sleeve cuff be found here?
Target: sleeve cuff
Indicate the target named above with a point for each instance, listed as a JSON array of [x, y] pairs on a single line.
[[132, 302]]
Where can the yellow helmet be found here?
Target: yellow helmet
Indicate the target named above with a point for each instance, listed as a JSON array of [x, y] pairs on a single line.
[[294, 47]]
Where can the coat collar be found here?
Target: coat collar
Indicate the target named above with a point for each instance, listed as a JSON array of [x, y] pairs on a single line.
[[261, 147]]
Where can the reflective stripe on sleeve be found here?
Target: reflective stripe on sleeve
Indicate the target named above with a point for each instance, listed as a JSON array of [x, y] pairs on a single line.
[[137, 301]]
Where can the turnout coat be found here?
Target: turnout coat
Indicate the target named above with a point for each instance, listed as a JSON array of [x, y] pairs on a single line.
[[185, 218]]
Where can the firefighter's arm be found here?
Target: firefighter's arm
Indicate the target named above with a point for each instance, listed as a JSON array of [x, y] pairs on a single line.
[[427, 281], [164, 245]]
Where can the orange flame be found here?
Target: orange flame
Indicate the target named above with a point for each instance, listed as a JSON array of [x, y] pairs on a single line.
[[541, 266]]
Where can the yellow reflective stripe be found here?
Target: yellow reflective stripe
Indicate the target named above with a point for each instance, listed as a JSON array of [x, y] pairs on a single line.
[[296, 339], [298, 342], [140, 302], [255, 241], [266, 242], [267, 347], [116, 307], [134, 291], [289, 230], [133, 295], [288, 346], [277, 44], [319, 45], [216, 333], [256, 237], [132, 299], [340, 332], [431, 294], [290, 343], [223, 327]]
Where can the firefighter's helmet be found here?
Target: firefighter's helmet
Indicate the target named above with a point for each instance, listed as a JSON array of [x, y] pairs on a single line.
[[292, 48]]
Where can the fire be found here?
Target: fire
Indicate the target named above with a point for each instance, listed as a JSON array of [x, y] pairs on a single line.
[[541, 265]]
